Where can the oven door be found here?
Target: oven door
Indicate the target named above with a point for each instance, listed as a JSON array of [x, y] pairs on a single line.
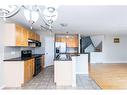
[[37, 65]]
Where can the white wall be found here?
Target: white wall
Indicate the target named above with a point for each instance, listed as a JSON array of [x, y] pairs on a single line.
[[11, 52], [1, 58], [115, 52], [96, 57], [43, 49], [112, 52], [49, 49]]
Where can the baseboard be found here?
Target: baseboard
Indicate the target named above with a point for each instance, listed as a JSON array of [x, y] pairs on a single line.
[[115, 62], [108, 62], [82, 73], [48, 65], [3, 86]]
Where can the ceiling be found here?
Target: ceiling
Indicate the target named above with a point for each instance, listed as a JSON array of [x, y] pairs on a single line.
[[87, 20]]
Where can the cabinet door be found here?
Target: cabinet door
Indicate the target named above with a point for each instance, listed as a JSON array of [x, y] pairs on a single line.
[[72, 41], [63, 39], [69, 41], [25, 37], [33, 36], [33, 66], [42, 61], [19, 35], [26, 71], [29, 35], [37, 37], [76, 41], [58, 39]]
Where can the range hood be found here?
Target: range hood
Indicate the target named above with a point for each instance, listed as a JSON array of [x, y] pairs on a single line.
[[31, 41], [34, 43]]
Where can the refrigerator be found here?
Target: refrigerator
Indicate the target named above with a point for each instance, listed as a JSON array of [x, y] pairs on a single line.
[[61, 47]]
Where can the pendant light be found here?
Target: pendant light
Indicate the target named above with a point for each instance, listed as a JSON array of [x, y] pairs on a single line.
[[50, 14], [31, 15]]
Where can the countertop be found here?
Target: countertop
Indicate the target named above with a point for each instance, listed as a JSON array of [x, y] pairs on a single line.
[[63, 57], [72, 54], [23, 59]]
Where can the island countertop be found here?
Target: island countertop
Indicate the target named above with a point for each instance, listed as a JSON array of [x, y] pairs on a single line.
[[63, 57]]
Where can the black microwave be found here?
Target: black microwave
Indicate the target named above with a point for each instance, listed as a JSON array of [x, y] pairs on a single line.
[[38, 44]]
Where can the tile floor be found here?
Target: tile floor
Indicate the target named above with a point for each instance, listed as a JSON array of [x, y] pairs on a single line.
[[44, 80]]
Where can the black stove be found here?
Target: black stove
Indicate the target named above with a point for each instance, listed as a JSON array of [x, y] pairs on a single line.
[[28, 53]]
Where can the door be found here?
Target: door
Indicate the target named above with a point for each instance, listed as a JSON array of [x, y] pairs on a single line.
[[49, 50]]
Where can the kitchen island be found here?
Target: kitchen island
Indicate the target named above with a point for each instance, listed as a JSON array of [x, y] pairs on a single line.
[[64, 70], [66, 66]]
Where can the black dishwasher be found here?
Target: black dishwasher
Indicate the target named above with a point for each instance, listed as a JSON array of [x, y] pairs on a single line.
[[37, 65]]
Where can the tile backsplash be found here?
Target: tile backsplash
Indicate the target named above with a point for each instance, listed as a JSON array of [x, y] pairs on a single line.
[[12, 52]]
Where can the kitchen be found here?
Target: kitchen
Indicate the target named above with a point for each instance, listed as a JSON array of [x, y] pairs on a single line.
[[33, 57], [18, 71]]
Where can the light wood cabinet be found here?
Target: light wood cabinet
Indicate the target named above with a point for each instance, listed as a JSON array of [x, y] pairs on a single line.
[[21, 36], [28, 70], [33, 36], [61, 39], [72, 41], [37, 37], [58, 39], [16, 35], [42, 61], [29, 35]]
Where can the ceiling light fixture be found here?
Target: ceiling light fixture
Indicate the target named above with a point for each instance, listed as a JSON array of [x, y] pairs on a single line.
[[8, 11], [31, 13]]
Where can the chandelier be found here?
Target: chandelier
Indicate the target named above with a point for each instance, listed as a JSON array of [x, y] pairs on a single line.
[[31, 13]]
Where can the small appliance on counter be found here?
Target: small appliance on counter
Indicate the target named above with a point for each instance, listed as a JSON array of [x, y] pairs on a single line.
[[28, 53]]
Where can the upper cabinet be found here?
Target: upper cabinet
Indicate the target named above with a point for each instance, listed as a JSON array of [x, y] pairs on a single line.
[[37, 37], [33, 36], [16, 35], [70, 40], [21, 36]]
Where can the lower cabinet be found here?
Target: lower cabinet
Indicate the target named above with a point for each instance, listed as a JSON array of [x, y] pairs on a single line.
[[28, 70], [42, 61], [16, 73]]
